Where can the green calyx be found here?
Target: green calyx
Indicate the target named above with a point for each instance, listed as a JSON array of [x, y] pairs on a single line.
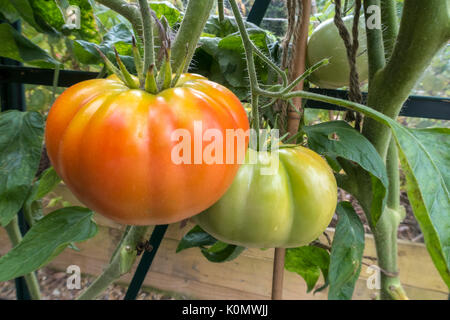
[[149, 78]]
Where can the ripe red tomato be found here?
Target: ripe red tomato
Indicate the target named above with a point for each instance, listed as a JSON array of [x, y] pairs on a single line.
[[112, 147]]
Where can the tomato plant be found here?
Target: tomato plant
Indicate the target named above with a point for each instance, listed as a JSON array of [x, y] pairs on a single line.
[[288, 207], [110, 138], [325, 42]]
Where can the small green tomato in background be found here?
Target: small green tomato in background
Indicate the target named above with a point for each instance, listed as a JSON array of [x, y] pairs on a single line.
[[325, 42], [285, 198]]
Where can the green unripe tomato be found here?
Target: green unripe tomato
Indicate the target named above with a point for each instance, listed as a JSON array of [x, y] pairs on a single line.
[[325, 42], [289, 208]]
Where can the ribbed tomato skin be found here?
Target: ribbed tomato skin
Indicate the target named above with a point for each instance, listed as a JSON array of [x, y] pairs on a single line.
[[112, 147], [288, 206]]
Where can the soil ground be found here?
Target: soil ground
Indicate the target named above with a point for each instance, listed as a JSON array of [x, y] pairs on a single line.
[[53, 287]]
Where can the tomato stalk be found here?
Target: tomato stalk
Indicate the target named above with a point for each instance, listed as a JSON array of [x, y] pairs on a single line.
[[390, 25], [248, 47], [149, 51], [31, 280], [195, 17], [121, 262], [138, 62], [180, 69], [220, 10]]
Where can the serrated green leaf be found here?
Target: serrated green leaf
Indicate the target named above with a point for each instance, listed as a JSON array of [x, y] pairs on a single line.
[[46, 239], [339, 139], [346, 253], [308, 262], [21, 135], [196, 237], [425, 159], [17, 47]]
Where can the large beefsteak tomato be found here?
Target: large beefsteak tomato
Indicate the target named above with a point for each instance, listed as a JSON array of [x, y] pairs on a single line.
[[112, 146], [269, 205]]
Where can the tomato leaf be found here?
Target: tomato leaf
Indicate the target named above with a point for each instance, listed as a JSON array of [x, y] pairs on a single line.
[[46, 239], [308, 262], [8, 12], [21, 135], [47, 16], [119, 36], [167, 10], [425, 159], [196, 237], [346, 253], [234, 41], [218, 251], [227, 252], [220, 55], [17, 47], [48, 180], [26, 11], [339, 139]]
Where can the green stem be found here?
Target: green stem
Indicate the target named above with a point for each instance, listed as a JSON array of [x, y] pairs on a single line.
[[149, 51], [375, 46], [424, 29], [121, 262], [248, 48], [378, 116], [129, 11], [390, 25], [195, 17], [55, 81], [220, 9], [392, 164], [31, 280], [385, 236], [270, 63]]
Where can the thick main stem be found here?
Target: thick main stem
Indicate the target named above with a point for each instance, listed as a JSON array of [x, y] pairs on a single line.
[[30, 279], [121, 262], [425, 27], [195, 17], [385, 236]]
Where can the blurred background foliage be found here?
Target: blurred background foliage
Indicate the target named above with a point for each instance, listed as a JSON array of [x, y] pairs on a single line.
[[219, 55]]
